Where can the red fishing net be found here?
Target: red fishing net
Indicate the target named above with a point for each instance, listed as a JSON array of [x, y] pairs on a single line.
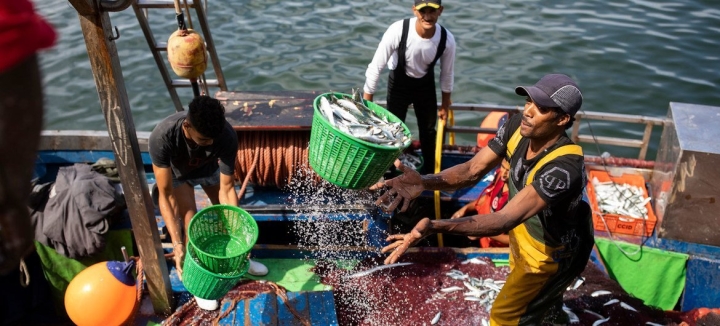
[[410, 295]]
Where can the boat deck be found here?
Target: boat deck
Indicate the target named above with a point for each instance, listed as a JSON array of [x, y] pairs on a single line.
[[251, 302]]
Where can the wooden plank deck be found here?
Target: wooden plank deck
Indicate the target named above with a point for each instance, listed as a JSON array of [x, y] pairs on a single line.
[[271, 110]]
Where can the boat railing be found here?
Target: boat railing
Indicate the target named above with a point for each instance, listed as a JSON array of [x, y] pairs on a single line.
[[642, 143]]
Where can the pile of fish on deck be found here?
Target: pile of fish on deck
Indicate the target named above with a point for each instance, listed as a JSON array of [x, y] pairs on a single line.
[[621, 199], [484, 292], [352, 117]]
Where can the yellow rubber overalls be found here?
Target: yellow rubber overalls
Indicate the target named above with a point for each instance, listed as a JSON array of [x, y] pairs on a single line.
[[540, 268]]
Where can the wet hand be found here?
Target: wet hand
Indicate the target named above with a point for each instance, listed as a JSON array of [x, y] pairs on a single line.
[[179, 252], [403, 189], [404, 241]]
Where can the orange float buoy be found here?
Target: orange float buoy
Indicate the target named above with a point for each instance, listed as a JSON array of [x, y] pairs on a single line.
[[186, 53], [494, 119], [102, 294]]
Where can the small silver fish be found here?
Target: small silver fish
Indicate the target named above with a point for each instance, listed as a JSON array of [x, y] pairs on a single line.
[[574, 319], [472, 260], [471, 287], [375, 269], [436, 319], [493, 287], [451, 289], [327, 110], [472, 294], [627, 306], [578, 281], [611, 302], [599, 293], [598, 322], [343, 113]]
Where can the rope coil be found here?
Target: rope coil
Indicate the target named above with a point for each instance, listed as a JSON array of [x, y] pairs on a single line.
[[268, 159]]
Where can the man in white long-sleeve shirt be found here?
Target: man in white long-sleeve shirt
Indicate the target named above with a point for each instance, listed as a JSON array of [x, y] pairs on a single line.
[[410, 48]]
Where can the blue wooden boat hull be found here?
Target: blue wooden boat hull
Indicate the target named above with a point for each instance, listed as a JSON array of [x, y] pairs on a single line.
[[703, 266]]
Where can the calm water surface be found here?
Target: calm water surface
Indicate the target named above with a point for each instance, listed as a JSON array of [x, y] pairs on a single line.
[[627, 56]]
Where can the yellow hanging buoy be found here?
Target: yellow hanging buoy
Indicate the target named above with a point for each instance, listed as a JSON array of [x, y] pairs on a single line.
[[186, 53]]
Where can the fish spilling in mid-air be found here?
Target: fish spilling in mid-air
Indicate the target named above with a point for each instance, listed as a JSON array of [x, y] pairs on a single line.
[[375, 269], [352, 117]]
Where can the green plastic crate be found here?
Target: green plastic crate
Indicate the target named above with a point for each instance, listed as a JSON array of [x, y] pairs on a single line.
[[205, 284], [346, 161], [222, 235]]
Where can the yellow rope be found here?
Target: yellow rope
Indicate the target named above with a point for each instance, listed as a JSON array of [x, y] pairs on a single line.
[[451, 123], [438, 158]]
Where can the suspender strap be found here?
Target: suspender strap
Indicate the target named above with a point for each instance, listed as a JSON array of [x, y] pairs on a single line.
[[570, 149], [403, 42], [513, 143], [441, 46]]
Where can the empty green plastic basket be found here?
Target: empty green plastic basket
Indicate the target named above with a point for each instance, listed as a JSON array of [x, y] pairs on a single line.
[[222, 235]]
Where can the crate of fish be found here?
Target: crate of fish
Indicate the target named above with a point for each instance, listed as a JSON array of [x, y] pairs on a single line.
[[353, 141], [621, 203]]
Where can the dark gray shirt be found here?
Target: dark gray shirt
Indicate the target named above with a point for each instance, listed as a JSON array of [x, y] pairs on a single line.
[[169, 148], [559, 183]]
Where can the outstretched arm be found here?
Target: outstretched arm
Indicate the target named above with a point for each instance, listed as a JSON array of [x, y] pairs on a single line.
[[525, 204], [410, 184]]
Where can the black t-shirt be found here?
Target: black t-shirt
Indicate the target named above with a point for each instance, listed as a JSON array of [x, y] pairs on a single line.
[[559, 183], [168, 148]]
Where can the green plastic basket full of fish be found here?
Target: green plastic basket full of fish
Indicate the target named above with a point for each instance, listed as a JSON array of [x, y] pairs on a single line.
[[353, 141]]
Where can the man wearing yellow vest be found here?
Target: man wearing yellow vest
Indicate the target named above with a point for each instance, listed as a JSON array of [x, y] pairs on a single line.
[[549, 224]]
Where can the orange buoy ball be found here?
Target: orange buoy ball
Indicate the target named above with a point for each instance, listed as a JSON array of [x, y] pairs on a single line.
[[102, 294], [186, 53]]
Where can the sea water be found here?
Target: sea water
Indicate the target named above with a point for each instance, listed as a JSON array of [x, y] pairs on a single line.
[[629, 57]]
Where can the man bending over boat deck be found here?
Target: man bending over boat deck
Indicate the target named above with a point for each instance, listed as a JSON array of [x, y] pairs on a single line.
[[549, 224], [190, 148], [410, 48]]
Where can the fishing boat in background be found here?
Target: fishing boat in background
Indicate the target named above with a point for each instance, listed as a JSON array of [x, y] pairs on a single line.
[[676, 257]]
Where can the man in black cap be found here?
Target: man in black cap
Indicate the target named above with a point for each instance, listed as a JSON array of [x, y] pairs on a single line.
[[549, 224], [411, 48]]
